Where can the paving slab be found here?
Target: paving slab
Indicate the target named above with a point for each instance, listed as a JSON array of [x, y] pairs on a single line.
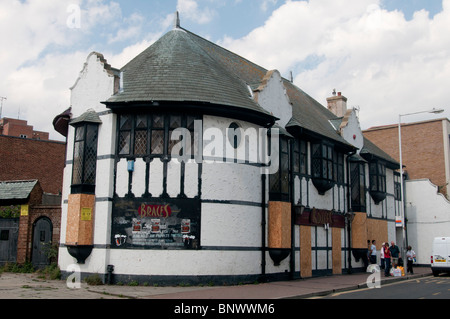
[[32, 286]]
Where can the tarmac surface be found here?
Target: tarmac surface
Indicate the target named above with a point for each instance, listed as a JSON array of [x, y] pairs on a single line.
[[31, 286]]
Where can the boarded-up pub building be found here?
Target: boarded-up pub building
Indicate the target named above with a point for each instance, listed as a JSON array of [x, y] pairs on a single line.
[[192, 164]]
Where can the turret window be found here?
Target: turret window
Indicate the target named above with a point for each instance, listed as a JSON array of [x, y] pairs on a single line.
[[84, 158]]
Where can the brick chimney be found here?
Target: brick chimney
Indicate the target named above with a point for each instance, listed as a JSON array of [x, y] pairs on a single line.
[[337, 104]]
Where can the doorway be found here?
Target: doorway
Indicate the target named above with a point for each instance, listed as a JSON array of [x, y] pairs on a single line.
[[9, 233], [42, 237]]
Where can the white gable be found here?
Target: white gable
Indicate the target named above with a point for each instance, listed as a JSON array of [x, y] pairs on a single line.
[[351, 130], [95, 84], [271, 95]]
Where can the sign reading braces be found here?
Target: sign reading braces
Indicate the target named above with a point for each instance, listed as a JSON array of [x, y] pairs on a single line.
[[159, 224]]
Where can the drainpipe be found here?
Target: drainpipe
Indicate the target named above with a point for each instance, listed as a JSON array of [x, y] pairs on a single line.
[[349, 210], [263, 228], [291, 194]]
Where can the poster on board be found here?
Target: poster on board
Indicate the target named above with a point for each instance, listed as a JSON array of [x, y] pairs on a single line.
[[156, 224]]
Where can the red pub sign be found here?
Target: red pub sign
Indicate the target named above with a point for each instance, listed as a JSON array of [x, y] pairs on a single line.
[[159, 211]]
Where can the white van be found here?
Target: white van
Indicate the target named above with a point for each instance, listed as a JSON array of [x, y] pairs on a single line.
[[440, 255]]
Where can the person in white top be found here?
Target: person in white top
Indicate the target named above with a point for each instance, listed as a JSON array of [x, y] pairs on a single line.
[[373, 253], [410, 257], [382, 256]]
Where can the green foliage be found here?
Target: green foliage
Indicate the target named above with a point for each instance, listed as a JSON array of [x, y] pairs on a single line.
[[51, 251], [12, 211], [18, 268], [94, 280], [51, 271]]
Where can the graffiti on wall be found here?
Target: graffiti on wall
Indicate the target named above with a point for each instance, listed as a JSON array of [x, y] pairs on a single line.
[[156, 224]]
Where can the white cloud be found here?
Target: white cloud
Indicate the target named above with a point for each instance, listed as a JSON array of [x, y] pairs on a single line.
[[132, 30], [43, 56], [377, 58], [41, 91], [266, 3], [380, 61], [191, 10]]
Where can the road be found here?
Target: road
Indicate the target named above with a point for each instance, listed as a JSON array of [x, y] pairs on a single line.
[[421, 288]]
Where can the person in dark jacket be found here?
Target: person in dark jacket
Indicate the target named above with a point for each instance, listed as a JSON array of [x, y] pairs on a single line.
[[395, 254]]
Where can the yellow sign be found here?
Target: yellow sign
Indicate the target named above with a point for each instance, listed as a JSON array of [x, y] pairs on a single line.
[[23, 210], [86, 213]]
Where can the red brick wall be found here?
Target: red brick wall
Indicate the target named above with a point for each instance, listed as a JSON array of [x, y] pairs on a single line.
[[25, 159], [25, 240], [14, 127], [422, 149]]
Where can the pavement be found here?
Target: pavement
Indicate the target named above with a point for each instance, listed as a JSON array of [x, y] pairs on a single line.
[[32, 286]]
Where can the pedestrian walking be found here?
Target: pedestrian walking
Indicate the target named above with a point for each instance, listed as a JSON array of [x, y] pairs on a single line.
[[410, 257], [395, 254], [387, 260], [373, 253]]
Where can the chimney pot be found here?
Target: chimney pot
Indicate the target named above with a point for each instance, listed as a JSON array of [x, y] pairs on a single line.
[[337, 104]]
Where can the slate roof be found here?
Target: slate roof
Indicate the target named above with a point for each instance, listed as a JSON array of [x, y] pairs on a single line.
[[182, 66], [16, 189], [89, 116], [175, 68], [307, 113], [371, 148]]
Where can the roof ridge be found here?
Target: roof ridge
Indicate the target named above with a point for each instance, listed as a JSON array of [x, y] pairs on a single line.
[[20, 181]]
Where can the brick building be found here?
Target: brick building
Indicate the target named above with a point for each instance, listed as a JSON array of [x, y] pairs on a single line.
[[20, 128], [31, 172], [425, 149], [27, 158]]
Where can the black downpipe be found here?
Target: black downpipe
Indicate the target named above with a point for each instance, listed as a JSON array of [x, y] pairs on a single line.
[[263, 228], [349, 209], [291, 194]]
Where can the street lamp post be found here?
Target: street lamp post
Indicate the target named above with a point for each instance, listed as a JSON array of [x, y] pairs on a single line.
[[402, 206]]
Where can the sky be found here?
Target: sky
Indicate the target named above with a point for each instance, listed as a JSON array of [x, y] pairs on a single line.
[[388, 57]]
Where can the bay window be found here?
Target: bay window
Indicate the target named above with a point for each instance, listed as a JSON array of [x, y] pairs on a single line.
[[84, 158], [377, 176], [327, 166]]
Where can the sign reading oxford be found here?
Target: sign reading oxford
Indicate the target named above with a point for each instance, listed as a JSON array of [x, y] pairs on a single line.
[[156, 224]]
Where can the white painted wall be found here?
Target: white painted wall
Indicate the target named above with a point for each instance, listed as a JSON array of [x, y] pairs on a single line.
[[271, 95], [428, 214], [351, 130], [223, 224], [94, 85]]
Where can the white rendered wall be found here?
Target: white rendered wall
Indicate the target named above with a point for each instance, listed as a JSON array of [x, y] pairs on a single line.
[[428, 215], [94, 85], [271, 95], [230, 213], [351, 130]]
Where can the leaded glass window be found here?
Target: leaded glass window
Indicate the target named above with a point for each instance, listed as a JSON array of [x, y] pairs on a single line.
[[327, 166], [377, 177], [279, 181], [300, 156], [358, 186], [85, 158], [150, 135]]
